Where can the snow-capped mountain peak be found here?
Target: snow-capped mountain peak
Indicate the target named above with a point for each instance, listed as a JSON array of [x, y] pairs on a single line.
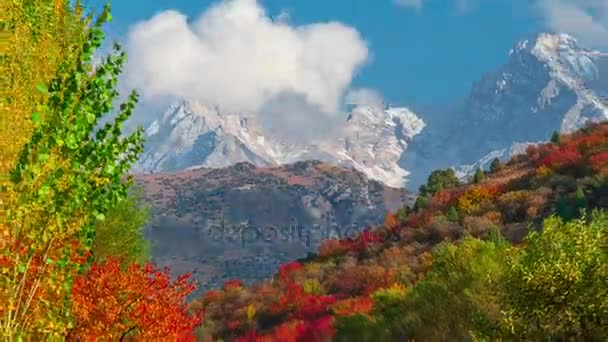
[[190, 135], [548, 83]]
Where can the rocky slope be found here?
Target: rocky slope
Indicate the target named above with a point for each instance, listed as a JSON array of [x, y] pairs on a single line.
[[548, 84], [242, 221]]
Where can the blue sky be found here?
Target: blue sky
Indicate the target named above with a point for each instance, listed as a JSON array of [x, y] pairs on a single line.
[[417, 54]]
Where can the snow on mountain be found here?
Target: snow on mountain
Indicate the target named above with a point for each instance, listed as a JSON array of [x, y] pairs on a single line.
[[191, 135], [466, 172], [548, 84]]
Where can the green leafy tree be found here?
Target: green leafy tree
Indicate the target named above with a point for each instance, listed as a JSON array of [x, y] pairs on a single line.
[[496, 165], [456, 296], [556, 137], [121, 233], [439, 180], [479, 176], [421, 202], [563, 208], [452, 215], [557, 288], [580, 201], [403, 212], [360, 327], [389, 308]]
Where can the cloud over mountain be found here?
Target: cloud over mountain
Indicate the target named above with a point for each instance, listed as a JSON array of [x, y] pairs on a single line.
[[587, 20], [236, 56]]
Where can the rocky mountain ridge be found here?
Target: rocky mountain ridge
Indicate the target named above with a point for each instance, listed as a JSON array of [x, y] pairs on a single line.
[[244, 220], [549, 83]]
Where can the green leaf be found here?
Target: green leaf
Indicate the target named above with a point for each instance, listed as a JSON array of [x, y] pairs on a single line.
[[109, 169], [100, 217], [70, 142], [90, 118], [42, 88], [36, 117], [44, 190]]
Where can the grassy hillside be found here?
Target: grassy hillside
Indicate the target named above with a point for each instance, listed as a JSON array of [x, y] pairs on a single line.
[[518, 253]]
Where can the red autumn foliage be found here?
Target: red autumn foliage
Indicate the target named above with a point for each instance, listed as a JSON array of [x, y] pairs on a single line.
[[211, 296], [288, 270], [316, 331], [298, 304], [360, 279], [233, 325], [109, 302], [443, 200], [562, 158], [599, 161], [419, 219], [285, 332], [365, 238], [232, 284], [332, 247], [352, 306]]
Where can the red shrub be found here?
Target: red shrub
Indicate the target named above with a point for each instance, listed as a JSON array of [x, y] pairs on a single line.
[[563, 158], [332, 247], [316, 331], [107, 301], [599, 161], [312, 306], [443, 199], [232, 284], [211, 296], [286, 271]]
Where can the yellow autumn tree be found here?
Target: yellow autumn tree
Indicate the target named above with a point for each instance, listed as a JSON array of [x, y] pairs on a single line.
[[60, 173], [36, 37]]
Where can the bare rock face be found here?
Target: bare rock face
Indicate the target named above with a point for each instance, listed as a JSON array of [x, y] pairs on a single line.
[[243, 221]]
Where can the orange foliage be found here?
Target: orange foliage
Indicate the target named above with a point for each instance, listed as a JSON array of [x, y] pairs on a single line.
[[390, 221], [351, 306], [444, 199], [473, 200], [110, 303], [332, 247], [493, 216], [361, 279]]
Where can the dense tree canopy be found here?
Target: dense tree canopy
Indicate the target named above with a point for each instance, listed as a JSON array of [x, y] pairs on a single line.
[[439, 180]]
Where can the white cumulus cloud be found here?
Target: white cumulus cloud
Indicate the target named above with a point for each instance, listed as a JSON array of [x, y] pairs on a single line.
[[364, 97], [587, 20], [235, 56]]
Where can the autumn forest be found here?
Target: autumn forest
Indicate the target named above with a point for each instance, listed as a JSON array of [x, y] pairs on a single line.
[[517, 253]]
